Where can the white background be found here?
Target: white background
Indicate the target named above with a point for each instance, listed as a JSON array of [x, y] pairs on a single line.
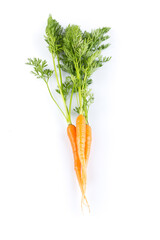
[[39, 194]]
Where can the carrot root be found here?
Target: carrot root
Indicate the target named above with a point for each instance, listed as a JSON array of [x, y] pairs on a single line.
[[81, 139], [71, 132]]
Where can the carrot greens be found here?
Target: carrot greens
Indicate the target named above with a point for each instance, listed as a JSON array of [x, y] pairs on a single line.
[[79, 54], [81, 57], [53, 37]]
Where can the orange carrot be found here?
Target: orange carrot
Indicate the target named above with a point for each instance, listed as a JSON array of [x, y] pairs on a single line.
[[81, 140], [88, 142], [71, 132]]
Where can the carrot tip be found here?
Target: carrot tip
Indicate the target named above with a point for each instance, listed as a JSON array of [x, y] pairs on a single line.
[[84, 203]]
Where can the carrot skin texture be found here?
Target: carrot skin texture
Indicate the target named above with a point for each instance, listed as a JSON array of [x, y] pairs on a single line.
[[71, 132], [88, 142]]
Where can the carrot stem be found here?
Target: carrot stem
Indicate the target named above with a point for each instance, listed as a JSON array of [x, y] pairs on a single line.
[[70, 104], [55, 100], [64, 102]]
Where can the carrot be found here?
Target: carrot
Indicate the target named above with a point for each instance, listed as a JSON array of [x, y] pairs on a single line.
[[71, 132], [81, 140], [88, 142]]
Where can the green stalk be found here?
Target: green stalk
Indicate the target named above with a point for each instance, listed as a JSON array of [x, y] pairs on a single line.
[[55, 101], [84, 81], [80, 100], [85, 86], [64, 102], [70, 104], [79, 88], [86, 114]]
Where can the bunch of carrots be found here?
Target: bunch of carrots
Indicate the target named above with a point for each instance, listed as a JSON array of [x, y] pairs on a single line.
[[78, 54], [80, 138]]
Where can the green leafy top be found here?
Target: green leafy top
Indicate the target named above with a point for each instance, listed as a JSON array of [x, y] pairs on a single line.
[[40, 70], [74, 45], [79, 54], [81, 57], [54, 36]]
